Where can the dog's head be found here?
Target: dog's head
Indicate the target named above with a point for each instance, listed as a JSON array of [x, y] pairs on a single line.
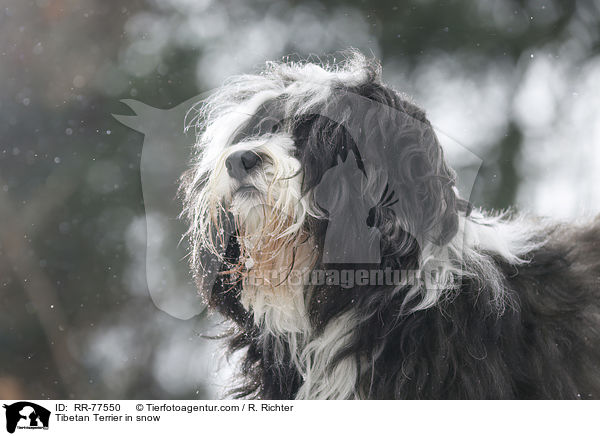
[[306, 165]]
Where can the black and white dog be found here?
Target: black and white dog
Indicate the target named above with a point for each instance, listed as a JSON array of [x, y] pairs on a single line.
[[326, 225]]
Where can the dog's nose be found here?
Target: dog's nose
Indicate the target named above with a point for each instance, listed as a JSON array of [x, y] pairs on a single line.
[[240, 163]]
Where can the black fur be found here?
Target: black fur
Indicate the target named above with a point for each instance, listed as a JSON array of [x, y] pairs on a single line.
[[544, 342]]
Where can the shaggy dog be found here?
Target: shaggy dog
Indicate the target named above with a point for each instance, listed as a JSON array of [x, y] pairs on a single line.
[[326, 226]]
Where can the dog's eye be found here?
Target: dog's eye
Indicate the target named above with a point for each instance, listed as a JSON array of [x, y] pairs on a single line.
[[371, 217], [276, 128], [267, 126]]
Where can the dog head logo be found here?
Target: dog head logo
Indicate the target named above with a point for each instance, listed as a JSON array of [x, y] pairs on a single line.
[[26, 415], [164, 157]]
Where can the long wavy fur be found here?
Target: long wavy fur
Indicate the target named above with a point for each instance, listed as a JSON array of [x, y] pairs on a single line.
[[516, 313]]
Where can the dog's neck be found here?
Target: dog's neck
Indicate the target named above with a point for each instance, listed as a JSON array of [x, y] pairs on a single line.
[[274, 291]]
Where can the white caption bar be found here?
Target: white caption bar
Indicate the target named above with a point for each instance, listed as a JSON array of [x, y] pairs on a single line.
[[289, 417]]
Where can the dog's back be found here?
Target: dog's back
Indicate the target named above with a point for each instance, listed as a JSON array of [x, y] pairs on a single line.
[[552, 344]]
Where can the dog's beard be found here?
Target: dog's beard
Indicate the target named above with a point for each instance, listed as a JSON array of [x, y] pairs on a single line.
[[266, 213], [267, 233], [276, 256]]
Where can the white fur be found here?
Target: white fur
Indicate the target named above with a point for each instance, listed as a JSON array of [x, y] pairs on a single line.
[[323, 380], [470, 253]]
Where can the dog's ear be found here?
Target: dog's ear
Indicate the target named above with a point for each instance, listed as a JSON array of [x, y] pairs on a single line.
[[421, 193], [413, 188], [407, 188], [224, 294], [215, 271]]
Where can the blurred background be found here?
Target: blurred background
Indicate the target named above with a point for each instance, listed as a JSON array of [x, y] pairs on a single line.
[[517, 82]]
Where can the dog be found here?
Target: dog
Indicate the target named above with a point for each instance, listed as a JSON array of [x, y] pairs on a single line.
[[326, 226]]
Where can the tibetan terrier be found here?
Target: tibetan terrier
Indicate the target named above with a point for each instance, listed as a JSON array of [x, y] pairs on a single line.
[[327, 227]]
